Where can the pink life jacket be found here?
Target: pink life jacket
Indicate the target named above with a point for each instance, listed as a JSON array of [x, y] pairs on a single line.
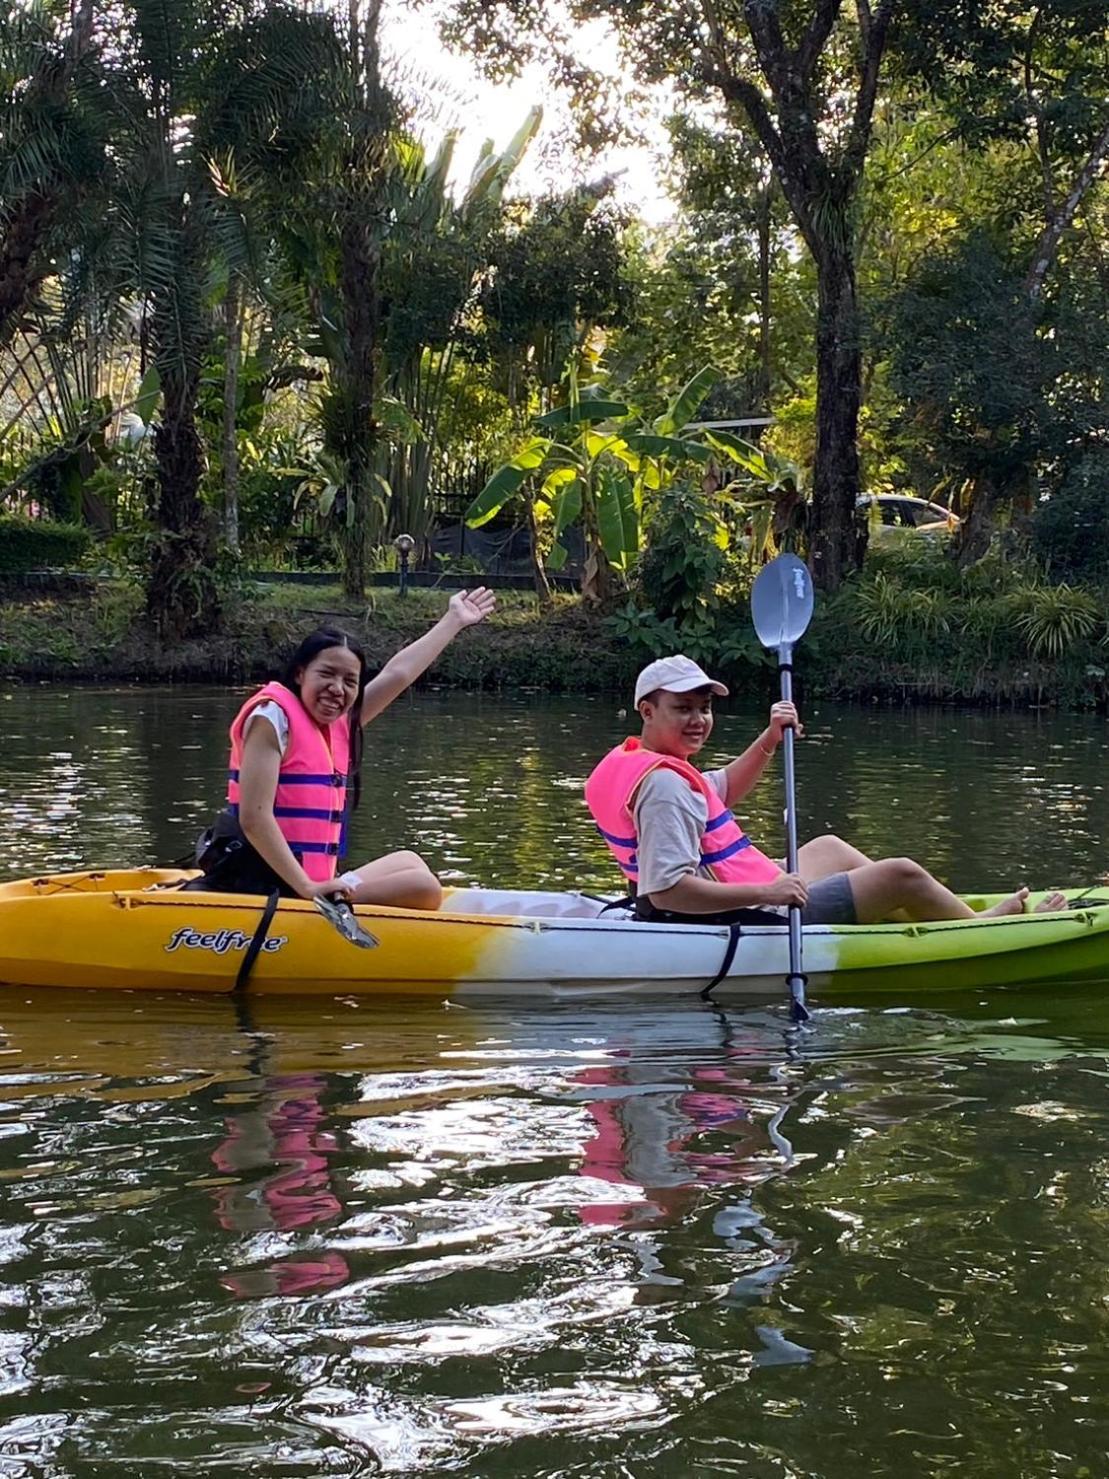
[[310, 804], [729, 855]]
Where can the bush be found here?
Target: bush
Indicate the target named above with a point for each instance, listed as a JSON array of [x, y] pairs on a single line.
[[1070, 530], [39, 544], [685, 558]]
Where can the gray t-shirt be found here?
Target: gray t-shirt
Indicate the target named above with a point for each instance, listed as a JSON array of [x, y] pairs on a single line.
[[670, 818]]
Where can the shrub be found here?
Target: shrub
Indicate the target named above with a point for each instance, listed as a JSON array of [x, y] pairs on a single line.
[[1052, 619], [685, 556], [39, 544]]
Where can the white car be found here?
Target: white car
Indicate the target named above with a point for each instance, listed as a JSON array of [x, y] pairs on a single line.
[[902, 511]]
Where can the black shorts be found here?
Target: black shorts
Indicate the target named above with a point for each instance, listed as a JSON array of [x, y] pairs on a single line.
[[830, 902]]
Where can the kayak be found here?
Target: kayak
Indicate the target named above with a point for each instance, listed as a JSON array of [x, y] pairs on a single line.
[[136, 930]]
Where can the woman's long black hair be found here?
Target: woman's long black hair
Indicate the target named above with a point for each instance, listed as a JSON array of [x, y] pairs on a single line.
[[315, 643]]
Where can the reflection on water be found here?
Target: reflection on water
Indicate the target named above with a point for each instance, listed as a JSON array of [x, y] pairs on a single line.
[[347, 1237]]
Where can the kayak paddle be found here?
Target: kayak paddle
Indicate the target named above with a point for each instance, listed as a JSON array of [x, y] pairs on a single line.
[[338, 913], [781, 609]]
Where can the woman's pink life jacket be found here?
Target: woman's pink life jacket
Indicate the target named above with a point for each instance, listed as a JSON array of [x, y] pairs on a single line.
[[728, 854], [310, 804]]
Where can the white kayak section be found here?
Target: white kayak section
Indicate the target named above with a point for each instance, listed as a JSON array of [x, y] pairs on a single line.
[[564, 941]]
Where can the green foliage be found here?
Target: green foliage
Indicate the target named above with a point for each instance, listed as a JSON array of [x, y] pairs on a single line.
[[39, 544], [555, 273], [951, 328], [957, 632], [721, 639], [603, 470], [1053, 619], [678, 573], [887, 612], [1070, 530]]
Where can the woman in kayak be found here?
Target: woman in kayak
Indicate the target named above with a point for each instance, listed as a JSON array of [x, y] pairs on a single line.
[[671, 829], [294, 778]]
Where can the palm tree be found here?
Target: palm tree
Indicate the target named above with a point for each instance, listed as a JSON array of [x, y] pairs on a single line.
[[190, 99], [50, 150]]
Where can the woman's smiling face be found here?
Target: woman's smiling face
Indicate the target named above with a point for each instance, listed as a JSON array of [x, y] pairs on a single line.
[[329, 684]]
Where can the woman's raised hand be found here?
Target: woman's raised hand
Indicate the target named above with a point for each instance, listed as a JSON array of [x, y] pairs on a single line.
[[470, 607]]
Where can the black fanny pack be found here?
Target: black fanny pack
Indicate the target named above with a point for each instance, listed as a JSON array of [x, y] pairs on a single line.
[[230, 863]]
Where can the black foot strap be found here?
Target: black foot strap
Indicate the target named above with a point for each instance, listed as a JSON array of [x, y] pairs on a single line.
[[734, 932], [259, 939]]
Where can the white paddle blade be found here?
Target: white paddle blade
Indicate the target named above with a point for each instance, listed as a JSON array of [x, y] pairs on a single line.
[[782, 601]]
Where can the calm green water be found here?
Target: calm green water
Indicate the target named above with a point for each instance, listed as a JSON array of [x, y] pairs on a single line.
[[353, 1237]]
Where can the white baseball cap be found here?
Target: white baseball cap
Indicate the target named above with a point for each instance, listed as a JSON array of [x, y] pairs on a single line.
[[677, 674]]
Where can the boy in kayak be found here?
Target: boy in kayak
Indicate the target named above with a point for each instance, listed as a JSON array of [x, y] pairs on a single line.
[[294, 777], [671, 830]]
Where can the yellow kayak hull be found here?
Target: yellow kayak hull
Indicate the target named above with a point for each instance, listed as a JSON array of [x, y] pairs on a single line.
[[136, 930]]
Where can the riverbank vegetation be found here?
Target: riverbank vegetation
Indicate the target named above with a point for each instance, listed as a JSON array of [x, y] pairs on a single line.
[[251, 321], [911, 628]]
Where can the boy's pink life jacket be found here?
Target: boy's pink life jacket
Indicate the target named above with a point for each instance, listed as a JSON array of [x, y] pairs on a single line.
[[729, 855], [310, 804]]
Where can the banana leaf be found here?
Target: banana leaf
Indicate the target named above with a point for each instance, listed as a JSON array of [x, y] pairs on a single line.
[[506, 481], [681, 409], [567, 505], [660, 446], [617, 516], [584, 412]]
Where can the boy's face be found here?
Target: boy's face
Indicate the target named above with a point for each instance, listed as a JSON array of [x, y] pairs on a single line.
[[677, 723]]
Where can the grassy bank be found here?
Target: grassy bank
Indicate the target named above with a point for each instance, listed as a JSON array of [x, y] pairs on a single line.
[[874, 641], [102, 636]]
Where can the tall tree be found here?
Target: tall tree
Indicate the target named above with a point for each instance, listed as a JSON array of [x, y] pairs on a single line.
[[705, 282], [1033, 76], [804, 79], [333, 235], [1025, 91], [189, 92]]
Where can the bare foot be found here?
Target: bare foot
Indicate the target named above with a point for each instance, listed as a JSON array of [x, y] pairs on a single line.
[[1051, 903], [1014, 904]]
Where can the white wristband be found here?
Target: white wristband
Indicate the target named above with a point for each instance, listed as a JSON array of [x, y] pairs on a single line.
[[351, 879]]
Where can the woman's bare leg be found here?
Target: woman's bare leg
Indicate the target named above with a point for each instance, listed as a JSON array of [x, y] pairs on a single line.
[[400, 879]]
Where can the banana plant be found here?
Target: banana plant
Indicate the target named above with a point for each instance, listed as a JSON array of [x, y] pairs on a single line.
[[771, 492], [592, 461]]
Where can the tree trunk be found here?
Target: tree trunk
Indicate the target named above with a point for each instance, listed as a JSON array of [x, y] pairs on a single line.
[[357, 375], [233, 321], [833, 537], [182, 598], [973, 539], [598, 579]]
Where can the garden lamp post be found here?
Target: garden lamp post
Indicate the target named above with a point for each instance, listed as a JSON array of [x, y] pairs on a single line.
[[404, 544]]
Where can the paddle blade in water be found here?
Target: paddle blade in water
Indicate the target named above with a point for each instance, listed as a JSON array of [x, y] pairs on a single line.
[[782, 601]]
